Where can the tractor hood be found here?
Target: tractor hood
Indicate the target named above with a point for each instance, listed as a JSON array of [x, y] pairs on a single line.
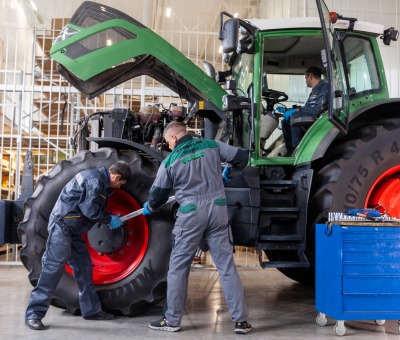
[[102, 47]]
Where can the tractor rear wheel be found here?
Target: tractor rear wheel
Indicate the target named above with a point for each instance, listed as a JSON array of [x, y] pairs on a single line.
[[129, 264]]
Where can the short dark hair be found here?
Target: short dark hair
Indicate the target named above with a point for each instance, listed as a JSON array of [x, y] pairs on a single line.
[[315, 71], [121, 168], [175, 127]]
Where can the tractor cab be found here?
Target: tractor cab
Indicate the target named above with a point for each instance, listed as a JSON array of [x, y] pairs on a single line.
[[274, 77], [267, 61]]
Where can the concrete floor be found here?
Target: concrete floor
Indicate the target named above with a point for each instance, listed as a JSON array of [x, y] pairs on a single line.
[[279, 309]]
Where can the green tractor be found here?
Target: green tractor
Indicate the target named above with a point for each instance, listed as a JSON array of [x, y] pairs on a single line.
[[348, 158]]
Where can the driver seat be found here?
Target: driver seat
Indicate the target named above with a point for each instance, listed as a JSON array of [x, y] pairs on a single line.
[[305, 121]]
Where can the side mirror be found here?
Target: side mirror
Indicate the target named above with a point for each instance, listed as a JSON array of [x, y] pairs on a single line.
[[229, 35]]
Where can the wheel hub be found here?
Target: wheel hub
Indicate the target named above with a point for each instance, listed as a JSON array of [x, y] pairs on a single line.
[[115, 254], [105, 240]]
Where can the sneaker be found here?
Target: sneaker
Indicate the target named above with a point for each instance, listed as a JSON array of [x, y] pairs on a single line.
[[100, 316], [163, 325], [242, 327]]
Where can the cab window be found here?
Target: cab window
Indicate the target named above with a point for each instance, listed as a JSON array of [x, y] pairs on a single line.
[[361, 66]]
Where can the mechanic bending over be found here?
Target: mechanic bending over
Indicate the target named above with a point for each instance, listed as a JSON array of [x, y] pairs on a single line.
[[79, 206]]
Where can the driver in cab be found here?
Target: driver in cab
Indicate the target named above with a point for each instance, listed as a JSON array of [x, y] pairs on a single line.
[[314, 106]]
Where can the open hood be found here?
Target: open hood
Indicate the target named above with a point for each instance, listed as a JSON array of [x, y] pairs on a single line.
[[102, 47]]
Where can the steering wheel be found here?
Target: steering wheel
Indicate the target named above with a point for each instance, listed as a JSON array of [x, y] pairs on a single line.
[[274, 96]]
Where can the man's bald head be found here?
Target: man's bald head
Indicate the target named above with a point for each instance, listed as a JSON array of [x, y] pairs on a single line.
[[173, 132]]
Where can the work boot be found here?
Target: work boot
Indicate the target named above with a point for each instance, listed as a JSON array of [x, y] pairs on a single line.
[[35, 324]]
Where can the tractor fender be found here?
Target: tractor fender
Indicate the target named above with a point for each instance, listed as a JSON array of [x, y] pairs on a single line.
[[366, 115], [122, 144]]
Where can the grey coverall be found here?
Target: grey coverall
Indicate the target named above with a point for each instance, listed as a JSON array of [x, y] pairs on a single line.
[[193, 170], [79, 206], [314, 106]]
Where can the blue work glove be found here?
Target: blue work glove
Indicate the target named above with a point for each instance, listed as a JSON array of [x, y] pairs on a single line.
[[225, 174], [280, 109], [146, 211], [115, 222], [288, 114]]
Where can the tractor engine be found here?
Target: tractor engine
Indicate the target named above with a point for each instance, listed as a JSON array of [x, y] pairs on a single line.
[[145, 127]]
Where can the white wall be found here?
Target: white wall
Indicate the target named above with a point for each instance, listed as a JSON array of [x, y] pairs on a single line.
[[16, 27], [18, 13]]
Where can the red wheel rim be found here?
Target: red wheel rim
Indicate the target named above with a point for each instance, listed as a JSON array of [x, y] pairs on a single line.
[[385, 193], [110, 268]]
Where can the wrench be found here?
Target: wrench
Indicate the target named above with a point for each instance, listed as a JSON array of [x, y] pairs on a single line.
[[140, 211]]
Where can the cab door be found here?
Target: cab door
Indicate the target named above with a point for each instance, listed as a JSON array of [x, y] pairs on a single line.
[[332, 57]]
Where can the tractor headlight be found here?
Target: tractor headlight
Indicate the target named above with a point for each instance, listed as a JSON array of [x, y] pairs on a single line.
[[389, 35]]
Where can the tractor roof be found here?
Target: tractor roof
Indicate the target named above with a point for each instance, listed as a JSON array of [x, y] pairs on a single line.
[[313, 22]]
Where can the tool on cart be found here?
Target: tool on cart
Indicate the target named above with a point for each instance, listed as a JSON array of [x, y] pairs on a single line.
[[370, 214], [140, 211]]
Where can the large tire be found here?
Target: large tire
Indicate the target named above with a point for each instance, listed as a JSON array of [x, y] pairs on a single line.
[[136, 285], [361, 172]]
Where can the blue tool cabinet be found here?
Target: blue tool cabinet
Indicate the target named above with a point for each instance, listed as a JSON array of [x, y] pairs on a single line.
[[357, 273]]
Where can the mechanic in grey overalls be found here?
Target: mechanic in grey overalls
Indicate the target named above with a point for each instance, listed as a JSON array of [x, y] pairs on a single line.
[[193, 170], [79, 206]]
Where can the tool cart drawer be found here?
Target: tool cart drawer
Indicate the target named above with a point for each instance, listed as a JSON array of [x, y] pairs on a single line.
[[358, 271]]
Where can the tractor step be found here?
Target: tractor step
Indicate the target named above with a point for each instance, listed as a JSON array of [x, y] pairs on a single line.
[[278, 186], [302, 263], [284, 264], [279, 245], [279, 209], [278, 238]]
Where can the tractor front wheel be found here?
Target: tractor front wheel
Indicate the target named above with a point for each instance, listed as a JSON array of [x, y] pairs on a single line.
[[129, 264]]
